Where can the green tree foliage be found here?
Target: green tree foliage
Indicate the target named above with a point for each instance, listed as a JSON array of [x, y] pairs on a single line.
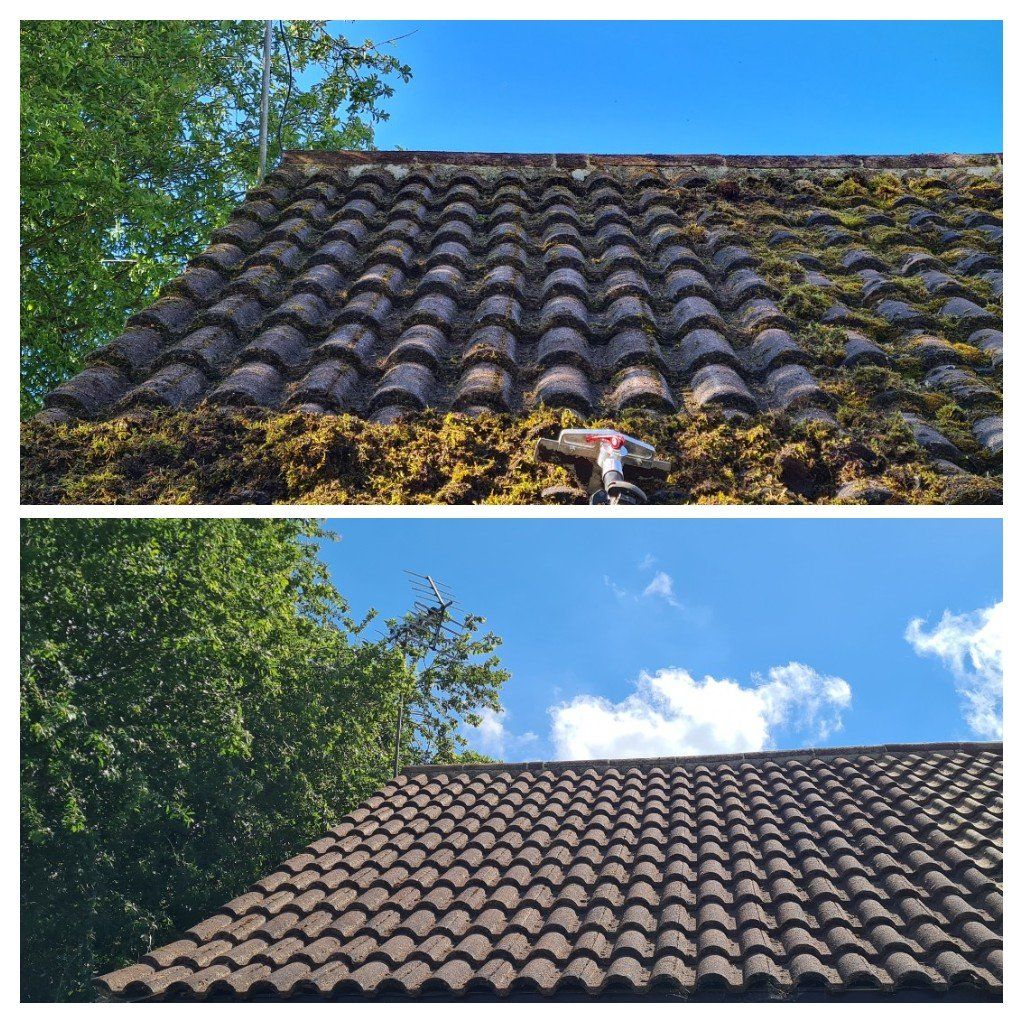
[[138, 138], [196, 704]]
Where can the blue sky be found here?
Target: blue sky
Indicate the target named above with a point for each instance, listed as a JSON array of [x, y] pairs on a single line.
[[694, 87], [584, 611]]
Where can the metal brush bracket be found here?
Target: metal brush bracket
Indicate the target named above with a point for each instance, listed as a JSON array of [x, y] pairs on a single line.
[[602, 458]]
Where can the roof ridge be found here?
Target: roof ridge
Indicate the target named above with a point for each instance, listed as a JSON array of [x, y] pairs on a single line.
[[596, 161], [805, 753]]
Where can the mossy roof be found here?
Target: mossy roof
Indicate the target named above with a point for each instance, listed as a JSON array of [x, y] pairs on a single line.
[[847, 303]]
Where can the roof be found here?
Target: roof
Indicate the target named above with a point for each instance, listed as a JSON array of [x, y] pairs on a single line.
[[387, 283], [846, 872]]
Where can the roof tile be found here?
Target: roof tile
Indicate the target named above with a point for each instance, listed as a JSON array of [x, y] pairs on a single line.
[[875, 868]]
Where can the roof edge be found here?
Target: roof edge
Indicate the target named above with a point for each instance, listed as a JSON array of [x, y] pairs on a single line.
[[760, 756], [596, 161]]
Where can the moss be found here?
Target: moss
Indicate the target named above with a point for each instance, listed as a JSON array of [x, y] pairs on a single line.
[[983, 292], [849, 289], [951, 421], [806, 302], [933, 401], [909, 365], [969, 489], [972, 238], [864, 397], [826, 344], [762, 212], [220, 456], [886, 188], [807, 187], [695, 234], [875, 327], [892, 240], [912, 289], [985, 191], [953, 330], [779, 272], [927, 188], [969, 354], [851, 187], [850, 221]]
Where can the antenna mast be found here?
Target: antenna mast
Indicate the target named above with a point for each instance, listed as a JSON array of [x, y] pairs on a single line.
[[423, 627], [265, 98]]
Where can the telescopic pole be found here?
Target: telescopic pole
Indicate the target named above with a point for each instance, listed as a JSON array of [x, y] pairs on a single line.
[[410, 668]]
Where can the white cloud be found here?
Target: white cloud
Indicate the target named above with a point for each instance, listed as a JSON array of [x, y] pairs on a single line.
[[620, 592], [662, 586], [795, 696], [647, 562], [493, 737], [489, 735], [971, 647], [670, 712]]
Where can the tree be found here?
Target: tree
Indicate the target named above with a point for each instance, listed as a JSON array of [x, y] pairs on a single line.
[[196, 704], [137, 140], [443, 684]]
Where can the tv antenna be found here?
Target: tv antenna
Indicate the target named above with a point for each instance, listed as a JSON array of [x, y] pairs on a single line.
[[422, 630]]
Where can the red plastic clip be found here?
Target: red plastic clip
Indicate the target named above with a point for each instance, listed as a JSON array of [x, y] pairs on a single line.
[[612, 440]]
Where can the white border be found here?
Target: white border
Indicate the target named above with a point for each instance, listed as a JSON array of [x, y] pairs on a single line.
[[512, 511], [540, 10]]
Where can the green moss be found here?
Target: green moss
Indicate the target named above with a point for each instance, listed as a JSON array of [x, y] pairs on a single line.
[[866, 393], [763, 213], [969, 489], [982, 291], [986, 192], [889, 239], [886, 188], [969, 354], [874, 327], [826, 344], [849, 289], [912, 289], [219, 456], [927, 187], [779, 272], [972, 238], [910, 366], [952, 423], [850, 221], [806, 302], [695, 234], [851, 187]]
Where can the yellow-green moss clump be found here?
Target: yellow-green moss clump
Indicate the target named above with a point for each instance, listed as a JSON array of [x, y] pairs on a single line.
[[217, 456]]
